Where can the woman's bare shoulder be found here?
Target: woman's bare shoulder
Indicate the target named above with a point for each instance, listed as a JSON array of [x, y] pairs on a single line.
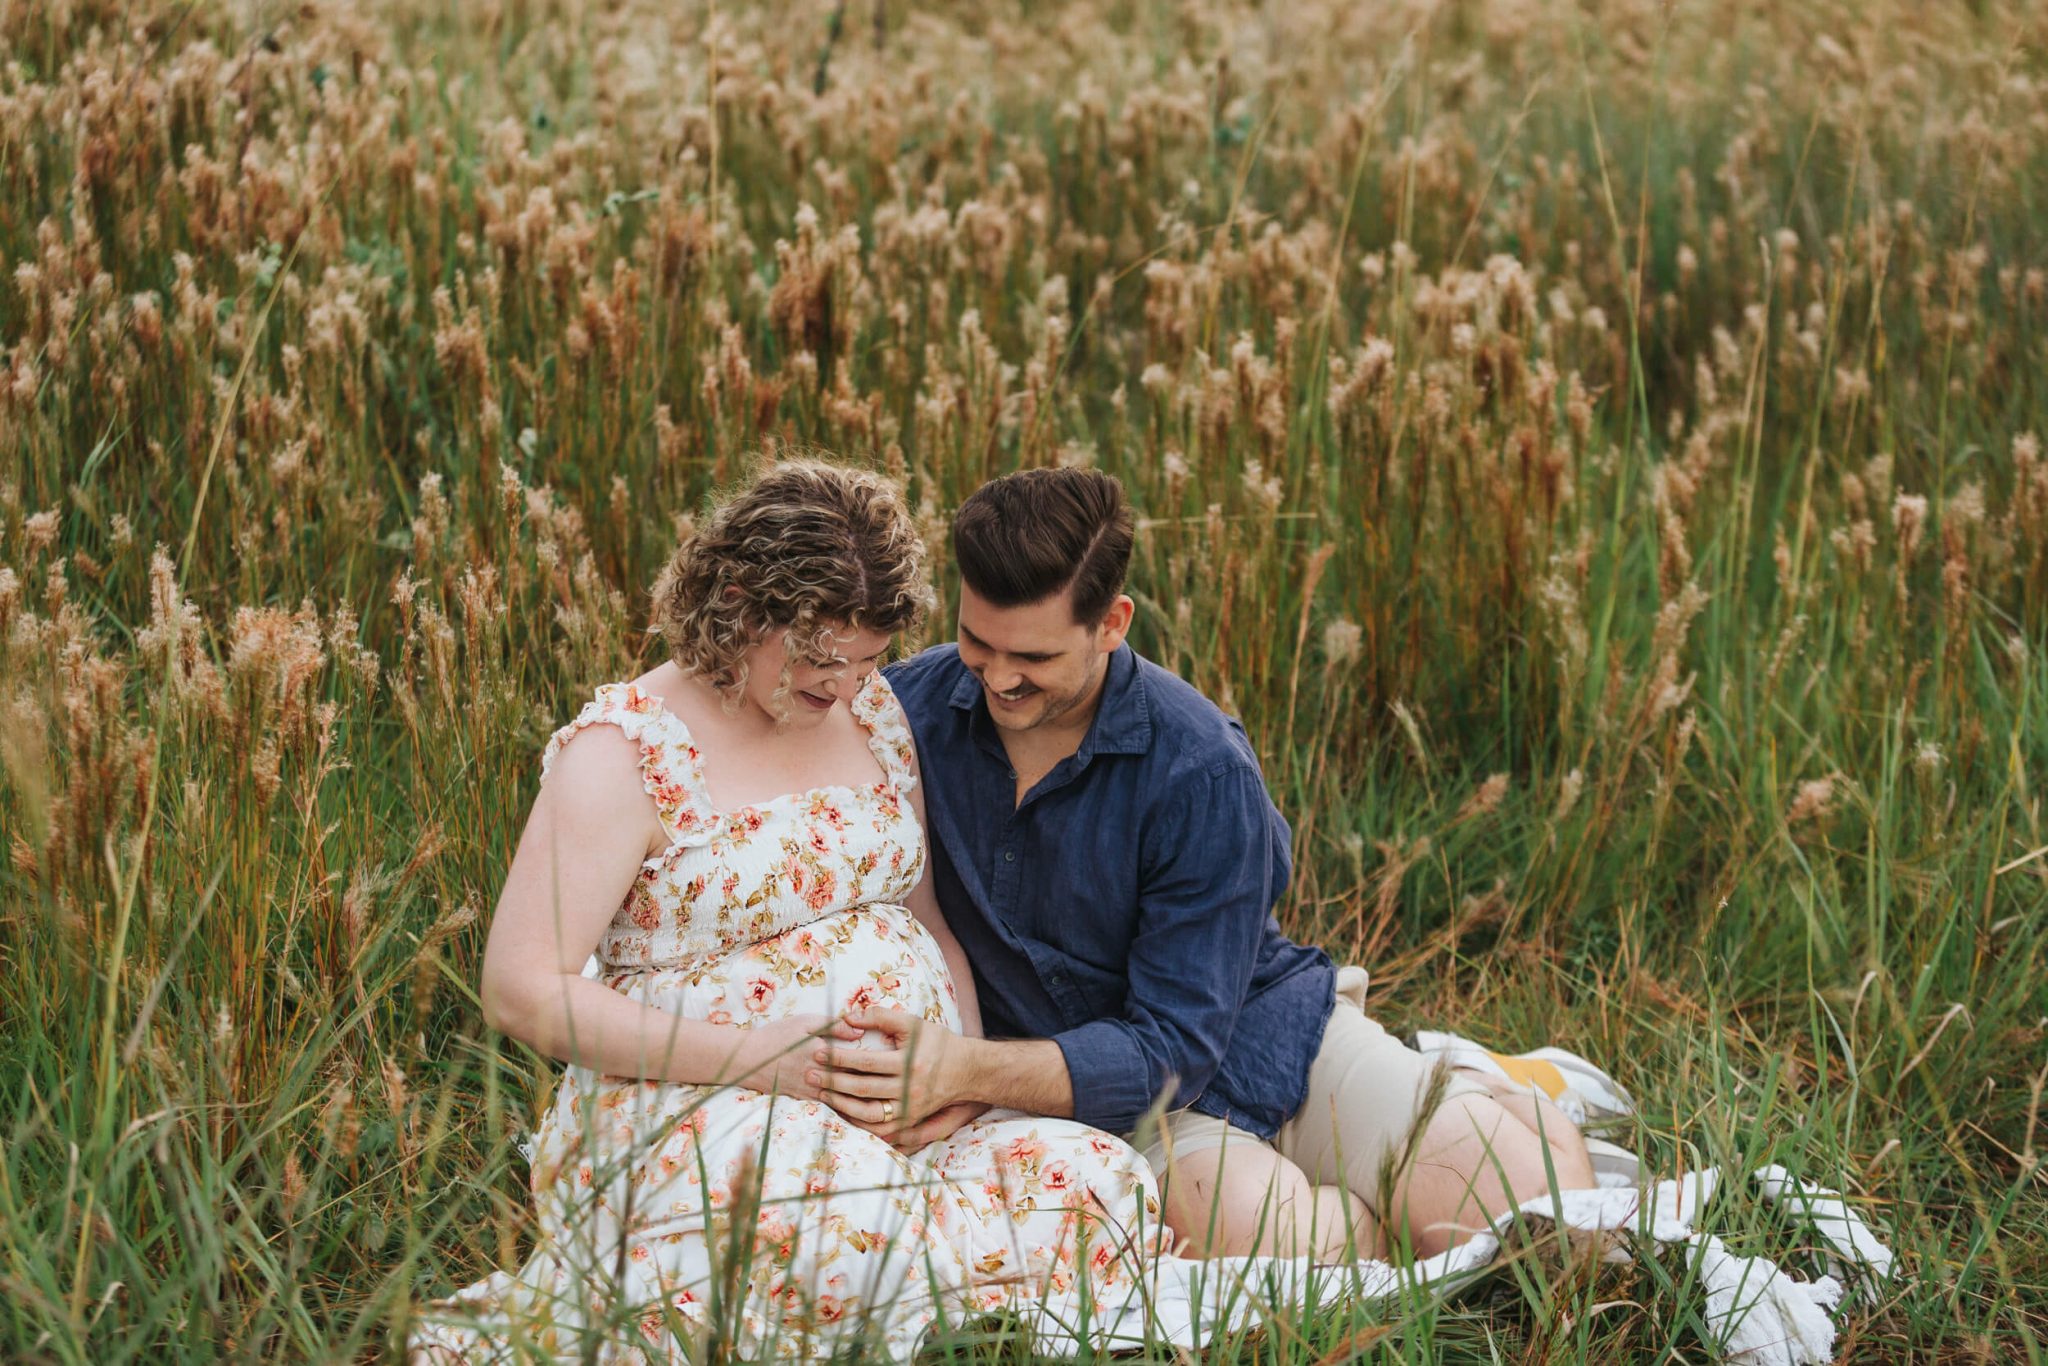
[[595, 783], [690, 700]]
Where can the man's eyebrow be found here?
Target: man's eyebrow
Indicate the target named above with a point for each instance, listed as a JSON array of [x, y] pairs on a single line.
[[1038, 656]]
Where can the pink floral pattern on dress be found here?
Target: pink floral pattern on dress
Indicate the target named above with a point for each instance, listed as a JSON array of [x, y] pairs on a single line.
[[787, 907]]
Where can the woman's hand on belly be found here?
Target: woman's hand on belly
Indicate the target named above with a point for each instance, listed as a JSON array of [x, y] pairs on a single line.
[[920, 1070], [776, 1056]]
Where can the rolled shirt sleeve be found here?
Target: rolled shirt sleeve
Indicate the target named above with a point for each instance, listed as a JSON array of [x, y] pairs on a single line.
[[1215, 862]]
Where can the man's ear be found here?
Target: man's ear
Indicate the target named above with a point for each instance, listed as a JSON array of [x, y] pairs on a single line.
[[1115, 624]]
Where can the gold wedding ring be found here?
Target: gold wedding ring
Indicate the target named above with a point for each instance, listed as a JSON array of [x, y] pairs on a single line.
[[888, 1111]]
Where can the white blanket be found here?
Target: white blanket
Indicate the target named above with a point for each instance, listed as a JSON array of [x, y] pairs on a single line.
[[1757, 1312]]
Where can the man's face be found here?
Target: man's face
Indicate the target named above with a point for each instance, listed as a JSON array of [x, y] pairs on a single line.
[[1035, 662]]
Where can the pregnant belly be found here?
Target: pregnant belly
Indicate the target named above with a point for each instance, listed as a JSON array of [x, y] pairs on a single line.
[[867, 957]]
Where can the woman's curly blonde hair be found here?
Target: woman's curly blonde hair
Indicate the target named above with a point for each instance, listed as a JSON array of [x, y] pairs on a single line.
[[805, 544]]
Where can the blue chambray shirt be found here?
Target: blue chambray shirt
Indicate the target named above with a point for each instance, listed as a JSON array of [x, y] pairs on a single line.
[[1124, 910]]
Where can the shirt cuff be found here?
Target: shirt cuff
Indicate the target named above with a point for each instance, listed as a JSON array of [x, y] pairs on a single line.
[[1106, 1067]]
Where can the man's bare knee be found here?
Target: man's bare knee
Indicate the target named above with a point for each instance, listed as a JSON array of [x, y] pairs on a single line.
[[1474, 1162], [1511, 1152], [1229, 1203], [1570, 1162]]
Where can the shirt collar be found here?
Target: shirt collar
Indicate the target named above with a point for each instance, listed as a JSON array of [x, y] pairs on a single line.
[[1123, 715], [1123, 718]]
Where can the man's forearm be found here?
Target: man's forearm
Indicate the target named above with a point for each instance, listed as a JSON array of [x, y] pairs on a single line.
[[1020, 1074]]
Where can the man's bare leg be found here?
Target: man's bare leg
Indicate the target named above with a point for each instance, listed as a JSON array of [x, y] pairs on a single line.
[[1540, 1116], [1475, 1159], [1248, 1200], [1478, 1156]]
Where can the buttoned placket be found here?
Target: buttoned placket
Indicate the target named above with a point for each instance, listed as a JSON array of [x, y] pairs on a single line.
[[1006, 873], [1000, 774], [1003, 877]]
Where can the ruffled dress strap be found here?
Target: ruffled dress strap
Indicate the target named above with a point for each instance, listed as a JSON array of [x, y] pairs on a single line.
[[671, 767], [875, 706]]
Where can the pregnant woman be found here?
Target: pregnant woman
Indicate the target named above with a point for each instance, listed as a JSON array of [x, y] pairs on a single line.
[[738, 835]]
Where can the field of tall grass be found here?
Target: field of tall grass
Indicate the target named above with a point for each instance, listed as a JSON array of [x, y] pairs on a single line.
[[1594, 444]]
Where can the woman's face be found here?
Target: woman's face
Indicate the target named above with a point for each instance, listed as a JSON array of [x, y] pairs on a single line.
[[816, 686]]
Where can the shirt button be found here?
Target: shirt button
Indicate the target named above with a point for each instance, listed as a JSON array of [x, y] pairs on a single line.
[[1009, 855]]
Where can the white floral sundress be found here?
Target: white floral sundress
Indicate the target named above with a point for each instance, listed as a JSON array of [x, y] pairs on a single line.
[[672, 1219]]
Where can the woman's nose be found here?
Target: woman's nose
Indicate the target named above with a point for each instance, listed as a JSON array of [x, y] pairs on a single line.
[[843, 679]]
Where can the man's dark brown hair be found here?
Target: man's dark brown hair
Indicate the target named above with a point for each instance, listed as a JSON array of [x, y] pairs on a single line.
[[1026, 536]]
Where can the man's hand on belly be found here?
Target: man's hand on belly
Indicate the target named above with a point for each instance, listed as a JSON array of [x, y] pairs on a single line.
[[920, 1071], [926, 1068]]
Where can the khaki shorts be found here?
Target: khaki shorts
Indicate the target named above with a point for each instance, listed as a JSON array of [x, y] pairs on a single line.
[[1367, 1094]]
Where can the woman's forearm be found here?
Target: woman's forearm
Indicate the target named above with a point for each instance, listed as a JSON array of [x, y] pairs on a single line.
[[582, 1021]]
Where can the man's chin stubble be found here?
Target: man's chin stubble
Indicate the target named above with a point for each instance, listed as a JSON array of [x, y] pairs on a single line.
[[1010, 721]]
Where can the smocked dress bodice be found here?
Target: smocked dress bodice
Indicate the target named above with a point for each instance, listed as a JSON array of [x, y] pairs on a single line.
[[730, 878]]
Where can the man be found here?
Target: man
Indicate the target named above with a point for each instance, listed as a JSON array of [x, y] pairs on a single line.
[[1104, 849]]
